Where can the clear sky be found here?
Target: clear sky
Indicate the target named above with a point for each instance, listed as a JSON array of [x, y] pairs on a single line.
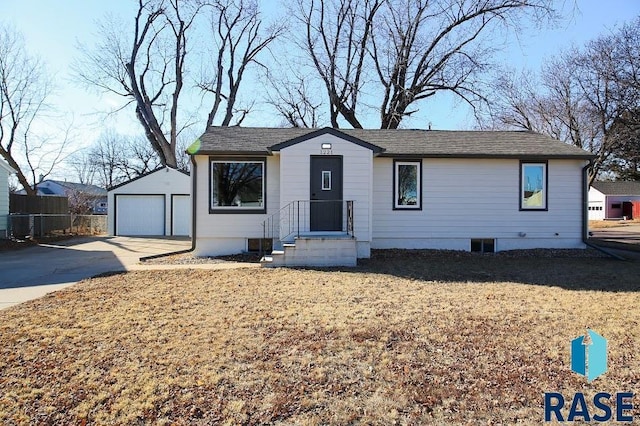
[[53, 28]]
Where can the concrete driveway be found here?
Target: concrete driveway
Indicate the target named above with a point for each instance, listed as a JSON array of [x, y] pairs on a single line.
[[623, 240], [35, 271], [628, 234]]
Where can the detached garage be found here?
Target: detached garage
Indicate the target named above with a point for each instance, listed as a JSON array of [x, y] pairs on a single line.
[[613, 200], [155, 204]]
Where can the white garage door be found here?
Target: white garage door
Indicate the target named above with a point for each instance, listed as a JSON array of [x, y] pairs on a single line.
[[139, 214], [596, 210], [181, 216]]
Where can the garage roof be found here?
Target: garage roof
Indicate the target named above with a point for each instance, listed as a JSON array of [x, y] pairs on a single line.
[[111, 188], [618, 187]]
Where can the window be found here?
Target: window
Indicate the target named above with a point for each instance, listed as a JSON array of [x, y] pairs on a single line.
[[616, 205], [253, 245], [326, 180], [238, 186], [407, 190], [533, 186], [483, 245]]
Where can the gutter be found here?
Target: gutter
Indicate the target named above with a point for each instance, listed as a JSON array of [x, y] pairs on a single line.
[[194, 175], [585, 214]]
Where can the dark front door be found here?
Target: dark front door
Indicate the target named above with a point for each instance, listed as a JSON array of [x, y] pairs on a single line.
[[326, 194]]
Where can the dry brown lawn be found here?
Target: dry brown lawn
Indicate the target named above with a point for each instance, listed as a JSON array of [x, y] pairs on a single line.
[[601, 224], [406, 338]]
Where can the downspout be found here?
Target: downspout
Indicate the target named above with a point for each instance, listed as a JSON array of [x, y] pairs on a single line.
[[585, 213], [585, 202], [194, 192]]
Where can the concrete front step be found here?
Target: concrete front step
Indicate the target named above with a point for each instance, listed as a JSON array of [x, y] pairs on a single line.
[[324, 250]]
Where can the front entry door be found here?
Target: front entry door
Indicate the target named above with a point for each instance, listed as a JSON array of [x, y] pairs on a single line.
[[326, 194]]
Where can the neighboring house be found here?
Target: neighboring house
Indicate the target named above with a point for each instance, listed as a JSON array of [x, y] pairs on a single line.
[[612, 200], [5, 171], [156, 203], [411, 189], [83, 199]]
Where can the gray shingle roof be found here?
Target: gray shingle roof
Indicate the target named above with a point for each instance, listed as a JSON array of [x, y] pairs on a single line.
[[83, 188], [425, 143], [618, 188]]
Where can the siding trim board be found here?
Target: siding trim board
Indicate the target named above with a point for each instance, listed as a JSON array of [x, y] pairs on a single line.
[[481, 156]]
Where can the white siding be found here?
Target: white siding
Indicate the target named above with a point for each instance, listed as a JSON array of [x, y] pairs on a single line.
[[222, 233], [596, 204], [357, 167], [288, 179], [166, 182], [465, 198]]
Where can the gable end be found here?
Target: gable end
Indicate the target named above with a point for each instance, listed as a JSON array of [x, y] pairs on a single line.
[[327, 130], [111, 188]]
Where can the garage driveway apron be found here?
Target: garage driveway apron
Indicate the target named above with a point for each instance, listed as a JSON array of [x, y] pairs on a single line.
[[35, 271]]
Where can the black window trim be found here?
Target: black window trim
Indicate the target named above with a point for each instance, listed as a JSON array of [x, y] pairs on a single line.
[[218, 210], [393, 184], [546, 186]]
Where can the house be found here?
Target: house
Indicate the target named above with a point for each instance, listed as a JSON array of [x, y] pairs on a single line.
[[612, 200], [155, 203], [328, 196], [83, 198], [5, 171]]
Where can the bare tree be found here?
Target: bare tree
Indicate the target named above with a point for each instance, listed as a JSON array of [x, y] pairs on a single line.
[[148, 69], [24, 89], [236, 28], [588, 97], [293, 97], [117, 158], [416, 49], [84, 169], [147, 65], [337, 35]]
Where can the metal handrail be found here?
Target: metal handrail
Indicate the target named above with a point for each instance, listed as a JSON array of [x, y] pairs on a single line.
[[293, 219]]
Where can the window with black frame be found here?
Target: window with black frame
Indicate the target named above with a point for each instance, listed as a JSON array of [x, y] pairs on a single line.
[[407, 191], [237, 186]]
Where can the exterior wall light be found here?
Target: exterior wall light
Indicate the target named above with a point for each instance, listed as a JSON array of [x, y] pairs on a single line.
[[326, 146]]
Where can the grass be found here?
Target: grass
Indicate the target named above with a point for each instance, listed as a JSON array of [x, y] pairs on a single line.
[[406, 338], [602, 224]]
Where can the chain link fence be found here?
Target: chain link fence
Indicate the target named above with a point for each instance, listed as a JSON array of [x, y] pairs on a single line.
[[49, 225]]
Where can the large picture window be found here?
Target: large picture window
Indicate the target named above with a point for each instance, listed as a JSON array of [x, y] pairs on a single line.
[[407, 191], [238, 186], [533, 186]]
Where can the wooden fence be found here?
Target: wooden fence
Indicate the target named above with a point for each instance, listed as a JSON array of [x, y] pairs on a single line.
[[49, 225], [38, 204]]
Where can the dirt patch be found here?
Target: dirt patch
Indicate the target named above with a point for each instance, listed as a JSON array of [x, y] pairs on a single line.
[[407, 338], [190, 259]]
